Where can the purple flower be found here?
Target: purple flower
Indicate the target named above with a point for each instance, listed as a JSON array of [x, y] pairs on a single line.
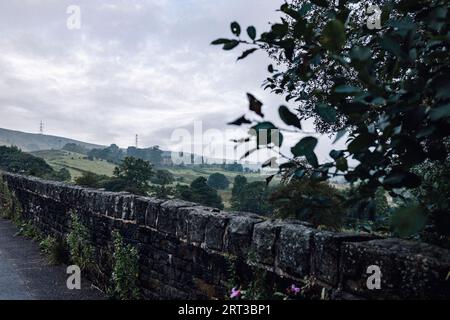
[[293, 289], [235, 293]]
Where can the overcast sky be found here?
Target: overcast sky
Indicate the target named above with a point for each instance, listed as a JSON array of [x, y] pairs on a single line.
[[134, 67]]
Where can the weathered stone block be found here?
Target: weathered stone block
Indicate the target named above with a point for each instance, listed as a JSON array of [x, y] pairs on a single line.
[[263, 242], [327, 251], [196, 220], [215, 230], [168, 214], [151, 212], [293, 250], [409, 270], [238, 236], [140, 207]]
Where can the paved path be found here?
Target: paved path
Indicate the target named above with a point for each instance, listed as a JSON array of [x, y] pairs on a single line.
[[26, 275]]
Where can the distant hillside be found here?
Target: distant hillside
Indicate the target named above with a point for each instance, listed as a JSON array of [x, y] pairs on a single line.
[[74, 162], [36, 142]]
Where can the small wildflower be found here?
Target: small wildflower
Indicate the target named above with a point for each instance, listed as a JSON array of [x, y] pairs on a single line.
[[235, 293], [293, 289]]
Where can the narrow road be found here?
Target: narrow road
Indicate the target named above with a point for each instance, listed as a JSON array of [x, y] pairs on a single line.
[[26, 275]]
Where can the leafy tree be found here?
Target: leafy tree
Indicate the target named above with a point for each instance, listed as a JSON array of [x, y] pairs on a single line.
[[111, 154], [238, 185], [63, 175], [218, 181], [386, 89], [200, 192], [90, 180], [163, 177], [184, 192], [309, 200], [153, 154], [253, 197], [235, 167], [132, 175]]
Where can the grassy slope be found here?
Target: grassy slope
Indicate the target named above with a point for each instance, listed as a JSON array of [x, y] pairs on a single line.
[[76, 163], [33, 142]]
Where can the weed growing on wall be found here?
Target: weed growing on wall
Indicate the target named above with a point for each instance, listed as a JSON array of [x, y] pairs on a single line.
[[28, 230], [10, 207], [81, 251], [54, 249], [125, 270]]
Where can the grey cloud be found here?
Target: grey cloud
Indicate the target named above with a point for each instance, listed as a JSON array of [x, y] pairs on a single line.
[[135, 66]]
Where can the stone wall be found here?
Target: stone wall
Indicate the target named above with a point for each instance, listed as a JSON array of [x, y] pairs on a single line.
[[185, 250]]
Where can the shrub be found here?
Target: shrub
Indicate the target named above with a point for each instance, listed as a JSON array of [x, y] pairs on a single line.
[[252, 197], [200, 192], [316, 202], [163, 177], [218, 181]]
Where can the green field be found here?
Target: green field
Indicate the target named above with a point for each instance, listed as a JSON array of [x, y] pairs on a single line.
[[74, 162], [78, 163]]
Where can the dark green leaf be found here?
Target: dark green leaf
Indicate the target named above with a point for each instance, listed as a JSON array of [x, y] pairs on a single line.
[[287, 9], [242, 120], [326, 112], [390, 44], [305, 8], [341, 164], [398, 178], [335, 154], [280, 29], [333, 36], [347, 89], [360, 143], [255, 105], [251, 31], [320, 3], [300, 29], [220, 41], [304, 146], [269, 179], [236, 29], [269, 162], [249, 152], [440, 112], [266, 133], [246, 53], [230, 45], [312, 159], [288, 117]]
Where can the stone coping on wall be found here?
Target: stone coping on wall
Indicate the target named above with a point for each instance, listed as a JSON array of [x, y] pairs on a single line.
[[290, 249]]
